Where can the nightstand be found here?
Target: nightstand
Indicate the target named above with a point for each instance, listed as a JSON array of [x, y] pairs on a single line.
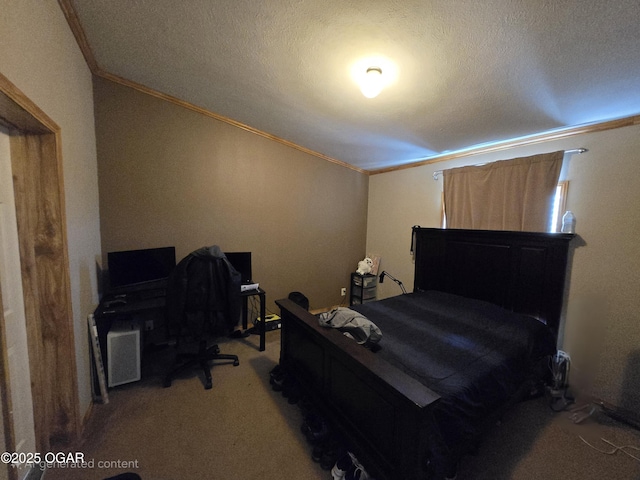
[[363, 288]]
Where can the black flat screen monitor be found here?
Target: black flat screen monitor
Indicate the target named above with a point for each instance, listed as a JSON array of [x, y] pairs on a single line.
[[138, 266], [241, 261]]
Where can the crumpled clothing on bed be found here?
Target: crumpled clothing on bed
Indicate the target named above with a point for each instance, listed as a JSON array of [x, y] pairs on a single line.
[[353, 324]]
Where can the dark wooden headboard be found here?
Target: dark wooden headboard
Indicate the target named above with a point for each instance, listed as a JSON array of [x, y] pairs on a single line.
[[520, 271]]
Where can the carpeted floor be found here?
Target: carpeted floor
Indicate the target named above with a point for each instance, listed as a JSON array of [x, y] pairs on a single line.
[[533, 443], [243, 430]]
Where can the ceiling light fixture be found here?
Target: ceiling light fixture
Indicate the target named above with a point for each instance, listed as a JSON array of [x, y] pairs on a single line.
[[372, 82]]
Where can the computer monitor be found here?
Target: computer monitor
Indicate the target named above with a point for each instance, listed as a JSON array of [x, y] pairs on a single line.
[[132, 267], [241, 261]]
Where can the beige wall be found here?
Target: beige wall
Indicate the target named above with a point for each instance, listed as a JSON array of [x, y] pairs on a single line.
[[39, 55], [602, 327], [171, 176]]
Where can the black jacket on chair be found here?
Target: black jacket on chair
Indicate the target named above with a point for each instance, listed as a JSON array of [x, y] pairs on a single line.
[[203, 299], [203, 293]]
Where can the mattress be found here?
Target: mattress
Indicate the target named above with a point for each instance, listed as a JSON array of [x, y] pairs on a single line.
[[474, 354]]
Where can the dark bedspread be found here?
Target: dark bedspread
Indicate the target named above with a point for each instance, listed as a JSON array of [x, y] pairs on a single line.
[[474, 354]]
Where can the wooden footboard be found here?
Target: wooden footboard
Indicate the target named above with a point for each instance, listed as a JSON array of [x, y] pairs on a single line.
[[383, 413]]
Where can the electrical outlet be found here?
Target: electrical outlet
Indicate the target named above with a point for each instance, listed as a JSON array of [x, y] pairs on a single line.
[[343, 291]]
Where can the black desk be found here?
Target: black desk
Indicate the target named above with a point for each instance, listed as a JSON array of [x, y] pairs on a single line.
[[126, 307], [121, 306], [245, 311]]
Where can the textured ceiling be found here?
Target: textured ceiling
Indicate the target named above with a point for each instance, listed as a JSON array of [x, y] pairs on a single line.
[[463, 72]]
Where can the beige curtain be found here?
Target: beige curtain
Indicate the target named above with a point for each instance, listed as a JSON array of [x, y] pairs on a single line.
[[508, 195]]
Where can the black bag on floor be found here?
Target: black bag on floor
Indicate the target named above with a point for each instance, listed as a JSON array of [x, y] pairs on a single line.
[[299, 299]]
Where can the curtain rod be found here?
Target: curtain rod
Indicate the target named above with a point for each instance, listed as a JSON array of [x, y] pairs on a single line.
[[575, 150]]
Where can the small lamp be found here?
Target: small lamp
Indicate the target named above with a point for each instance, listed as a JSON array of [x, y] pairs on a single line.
[[385, 274], [372, 82]]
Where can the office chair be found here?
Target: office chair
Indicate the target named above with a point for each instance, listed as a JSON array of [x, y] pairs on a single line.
[[203, 300]]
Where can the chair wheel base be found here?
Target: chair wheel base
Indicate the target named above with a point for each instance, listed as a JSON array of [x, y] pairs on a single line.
[[201, 359]]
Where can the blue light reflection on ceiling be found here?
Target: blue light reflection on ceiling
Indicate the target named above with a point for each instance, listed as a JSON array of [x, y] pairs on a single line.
[[506, 142]]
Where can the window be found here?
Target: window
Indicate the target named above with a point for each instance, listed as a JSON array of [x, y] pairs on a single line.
[[515, 194], [559, 207]]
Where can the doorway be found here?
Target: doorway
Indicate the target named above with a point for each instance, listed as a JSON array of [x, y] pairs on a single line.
[[36, 171]]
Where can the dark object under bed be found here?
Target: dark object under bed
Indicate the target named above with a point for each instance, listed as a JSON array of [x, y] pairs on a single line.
[[411, 409]]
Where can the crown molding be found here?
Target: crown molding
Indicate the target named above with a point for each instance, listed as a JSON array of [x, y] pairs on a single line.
[[531, 140], [87, 52], [195, 108]]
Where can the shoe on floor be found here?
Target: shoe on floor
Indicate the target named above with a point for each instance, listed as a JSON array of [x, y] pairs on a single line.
[[341, 467], [357, 472], [239, 334]]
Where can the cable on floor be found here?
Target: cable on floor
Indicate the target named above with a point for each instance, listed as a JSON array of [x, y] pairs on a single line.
[[615, 448]]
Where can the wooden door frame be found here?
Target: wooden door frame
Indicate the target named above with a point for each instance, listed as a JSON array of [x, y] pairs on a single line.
[[5, 396], [36, 162]]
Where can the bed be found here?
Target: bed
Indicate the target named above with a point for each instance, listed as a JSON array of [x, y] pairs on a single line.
[[470, 340]]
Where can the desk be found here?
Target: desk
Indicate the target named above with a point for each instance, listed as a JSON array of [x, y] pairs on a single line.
[[245, 311], [111, 310], [129, 308]]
